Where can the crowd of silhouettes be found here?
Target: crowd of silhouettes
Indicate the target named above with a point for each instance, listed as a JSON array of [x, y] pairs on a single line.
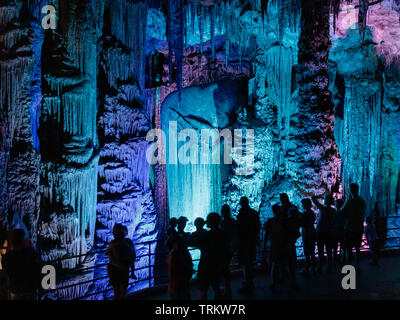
[[328, 239], [335, 231], [224, 237]]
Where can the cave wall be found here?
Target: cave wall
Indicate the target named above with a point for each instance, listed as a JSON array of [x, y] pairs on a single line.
[[365, 84], [19, 160], [67, 132], [322, 86]]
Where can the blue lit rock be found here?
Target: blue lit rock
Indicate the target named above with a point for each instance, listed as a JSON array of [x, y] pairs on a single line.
[[89, 91], [19, 161], [367, 88]]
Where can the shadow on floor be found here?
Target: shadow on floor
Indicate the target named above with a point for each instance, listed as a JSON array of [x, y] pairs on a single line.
[[374, 283]]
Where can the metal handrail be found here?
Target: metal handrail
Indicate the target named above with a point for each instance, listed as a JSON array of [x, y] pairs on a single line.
[[151, 276]]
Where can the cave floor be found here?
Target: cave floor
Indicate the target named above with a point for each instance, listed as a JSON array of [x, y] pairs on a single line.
[[374, 283]]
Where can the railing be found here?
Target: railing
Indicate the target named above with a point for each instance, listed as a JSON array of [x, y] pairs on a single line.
[[363, 245], [150, 266], [58, 263]]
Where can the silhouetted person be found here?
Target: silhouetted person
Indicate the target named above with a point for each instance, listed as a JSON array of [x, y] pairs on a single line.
[[372, 238], [326, 216], [22, 267], [308, 232], [248, 223], [181, 230], [285, 205], [197, 237], [214, 251], [173, 222], [181, 225], [275, 233], [293, 233], [338, 233], [171, 232], [180, 270], [229, 226], [122, 255], [353, 210]]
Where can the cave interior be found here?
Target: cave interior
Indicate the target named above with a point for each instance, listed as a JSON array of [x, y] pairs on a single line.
[[311, 86]]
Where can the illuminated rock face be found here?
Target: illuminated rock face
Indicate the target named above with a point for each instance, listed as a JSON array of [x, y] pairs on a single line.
[[67, 133], [125, 194], [366, 87], [19, 161], [199, 110], [315, 160], [77, 102], [272, 103], [124, 189]]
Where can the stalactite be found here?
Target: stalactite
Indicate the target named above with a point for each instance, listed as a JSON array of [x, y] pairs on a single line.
[[19, 161], [289, 12], [184, 24], [193, 14], [130, 19], [362, 15], [228, 30], [212, 29], [36, 78], [335, 8], [372, 168], [201, 26], [67, 131], [279, 77], [175, 38]]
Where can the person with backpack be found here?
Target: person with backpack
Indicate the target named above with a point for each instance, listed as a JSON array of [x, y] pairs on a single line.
[[122, 255]]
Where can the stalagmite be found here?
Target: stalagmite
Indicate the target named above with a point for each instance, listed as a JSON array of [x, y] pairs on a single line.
[[316, 156], [315, 84]]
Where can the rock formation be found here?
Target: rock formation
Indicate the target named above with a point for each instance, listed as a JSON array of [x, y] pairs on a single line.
[[317, 81]]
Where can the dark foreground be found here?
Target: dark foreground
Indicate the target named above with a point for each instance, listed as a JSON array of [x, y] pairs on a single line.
[[374, 283]]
